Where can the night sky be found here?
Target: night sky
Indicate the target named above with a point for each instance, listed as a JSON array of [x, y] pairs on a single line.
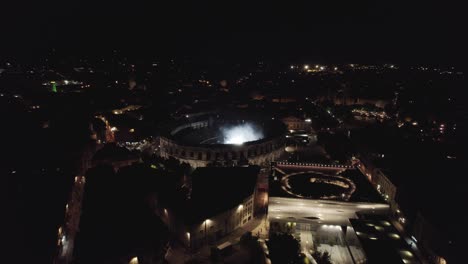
[[359, 31]]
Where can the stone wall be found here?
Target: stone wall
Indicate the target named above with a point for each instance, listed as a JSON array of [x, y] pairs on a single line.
[[200, 156]]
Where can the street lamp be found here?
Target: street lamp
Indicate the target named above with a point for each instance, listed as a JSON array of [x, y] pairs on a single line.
[[188, 239], [134, 260], [206, 240]]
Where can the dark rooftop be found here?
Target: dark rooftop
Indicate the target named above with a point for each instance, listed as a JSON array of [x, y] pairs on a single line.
[[113, 152], [217, 189], [381, 241]]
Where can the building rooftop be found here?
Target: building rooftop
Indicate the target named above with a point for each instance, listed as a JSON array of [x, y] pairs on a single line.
[[329, 183], [217, 189], [114, 153], [381, 241]]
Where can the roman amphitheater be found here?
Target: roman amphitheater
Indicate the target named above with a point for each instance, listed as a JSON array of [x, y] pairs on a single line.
[[228, 139]]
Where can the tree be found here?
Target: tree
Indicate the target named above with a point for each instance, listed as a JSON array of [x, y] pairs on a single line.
[[284, 248], [250, 244], [322, 257]]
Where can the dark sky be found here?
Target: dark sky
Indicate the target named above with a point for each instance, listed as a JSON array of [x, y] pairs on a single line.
[[357, 30]]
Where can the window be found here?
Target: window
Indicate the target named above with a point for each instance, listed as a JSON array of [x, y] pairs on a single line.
[[191, 154], [199, 155], [208, 155]]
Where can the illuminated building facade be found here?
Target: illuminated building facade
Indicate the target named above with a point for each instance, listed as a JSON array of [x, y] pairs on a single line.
[[220, 201]]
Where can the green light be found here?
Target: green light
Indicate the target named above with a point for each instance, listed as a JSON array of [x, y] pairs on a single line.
[[153, 166], [54, 86]]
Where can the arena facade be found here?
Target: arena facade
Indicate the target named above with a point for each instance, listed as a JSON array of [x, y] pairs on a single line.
[[225, 139]]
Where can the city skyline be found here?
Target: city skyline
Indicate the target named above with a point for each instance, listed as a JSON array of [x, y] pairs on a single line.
[[302, 132]]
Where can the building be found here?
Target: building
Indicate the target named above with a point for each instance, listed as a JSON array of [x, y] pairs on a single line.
[[385, 187], [220, 201], [433, 242], [294, 123], [316, 202], [381, 241], [199, 141], [115, 156], [381, 182]]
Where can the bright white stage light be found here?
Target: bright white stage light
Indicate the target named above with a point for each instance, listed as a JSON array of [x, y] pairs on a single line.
[[240, 134]]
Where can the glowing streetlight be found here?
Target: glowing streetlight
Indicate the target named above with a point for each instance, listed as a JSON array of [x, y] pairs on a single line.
[[306, 67], [134, 260], [206, 221]]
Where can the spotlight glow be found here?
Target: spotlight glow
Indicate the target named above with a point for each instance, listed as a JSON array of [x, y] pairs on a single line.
[[240, 134]]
